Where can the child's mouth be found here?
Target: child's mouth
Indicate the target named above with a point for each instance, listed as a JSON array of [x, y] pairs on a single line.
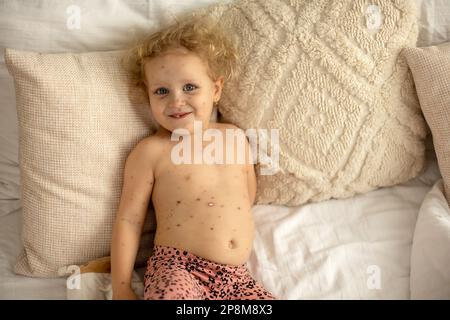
[[179, 115]]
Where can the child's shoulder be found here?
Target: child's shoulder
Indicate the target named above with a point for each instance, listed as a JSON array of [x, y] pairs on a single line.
[[148, 145]]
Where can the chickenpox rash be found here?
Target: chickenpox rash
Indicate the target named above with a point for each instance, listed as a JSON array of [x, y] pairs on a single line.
[[187, 178], [178, 202], [198, 199], [210, 204], [178, 225]]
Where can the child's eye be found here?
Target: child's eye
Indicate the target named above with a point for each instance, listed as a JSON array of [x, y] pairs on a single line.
[[161, 91], [189, 87]]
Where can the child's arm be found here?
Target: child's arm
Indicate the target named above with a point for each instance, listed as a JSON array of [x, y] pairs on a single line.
[[131, 214]]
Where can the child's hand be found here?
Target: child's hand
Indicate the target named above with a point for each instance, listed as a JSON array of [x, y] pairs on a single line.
[[125, 294]]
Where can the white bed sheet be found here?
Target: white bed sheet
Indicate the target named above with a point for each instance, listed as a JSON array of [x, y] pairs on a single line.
[[356, 248], [317, 251], [14, 286]]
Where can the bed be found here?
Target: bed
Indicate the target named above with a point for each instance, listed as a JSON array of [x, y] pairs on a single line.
[[355, 248]]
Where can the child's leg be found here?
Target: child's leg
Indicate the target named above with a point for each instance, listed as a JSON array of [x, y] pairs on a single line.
[[171, 284], [244, 287], [250, 289], [167, 278]]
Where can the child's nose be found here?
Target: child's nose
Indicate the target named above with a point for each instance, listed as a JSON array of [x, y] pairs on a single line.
[[176, 101]]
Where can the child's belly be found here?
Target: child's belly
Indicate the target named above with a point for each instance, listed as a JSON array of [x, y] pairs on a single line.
[[222, 236], [205, 210]]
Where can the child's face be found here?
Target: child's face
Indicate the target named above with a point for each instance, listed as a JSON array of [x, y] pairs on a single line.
[[180, 89]]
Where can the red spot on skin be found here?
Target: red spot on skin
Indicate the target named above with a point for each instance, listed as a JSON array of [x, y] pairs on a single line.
[[178, 225], [212, 228], [239, 208], [188, 177], [221, 206], [178, 202], [210, 204], [198, 199]]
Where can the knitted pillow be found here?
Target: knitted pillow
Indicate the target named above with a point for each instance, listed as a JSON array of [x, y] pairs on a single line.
[[79, 117], [327, 74]]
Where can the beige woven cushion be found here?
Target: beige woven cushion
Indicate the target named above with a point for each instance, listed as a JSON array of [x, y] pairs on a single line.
[[431, 70], [79, 118], [332, 82]]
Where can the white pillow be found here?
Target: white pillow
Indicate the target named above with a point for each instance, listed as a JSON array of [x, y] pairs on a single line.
[[330, 80], [430, 257]]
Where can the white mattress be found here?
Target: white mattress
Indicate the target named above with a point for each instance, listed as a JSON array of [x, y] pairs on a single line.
[[317, 251]]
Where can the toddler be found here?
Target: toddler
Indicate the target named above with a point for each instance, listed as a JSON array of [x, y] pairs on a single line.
[[203, 210]]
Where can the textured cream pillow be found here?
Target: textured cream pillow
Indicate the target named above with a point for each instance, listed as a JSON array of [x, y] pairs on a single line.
[[79, 117], [328, 75], [431, 70]]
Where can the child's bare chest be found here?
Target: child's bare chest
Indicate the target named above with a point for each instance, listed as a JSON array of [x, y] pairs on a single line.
[[203, 208]]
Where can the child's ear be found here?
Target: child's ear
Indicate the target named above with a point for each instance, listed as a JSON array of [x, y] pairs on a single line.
[[218, 86]]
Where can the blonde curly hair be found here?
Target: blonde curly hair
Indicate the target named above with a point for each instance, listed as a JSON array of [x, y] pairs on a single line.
[[199, 35]]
